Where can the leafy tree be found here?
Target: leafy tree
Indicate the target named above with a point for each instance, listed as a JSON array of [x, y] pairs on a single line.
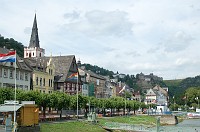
[[6, 94], [12, 44], [44, 102]]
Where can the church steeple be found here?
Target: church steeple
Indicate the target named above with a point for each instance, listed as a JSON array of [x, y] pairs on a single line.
[[34, 50], [34, 41]]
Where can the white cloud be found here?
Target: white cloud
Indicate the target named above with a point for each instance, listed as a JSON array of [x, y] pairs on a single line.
[[178, 42], [129, 36]]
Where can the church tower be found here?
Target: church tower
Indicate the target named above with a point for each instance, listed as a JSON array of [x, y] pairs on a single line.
[[34, 50]]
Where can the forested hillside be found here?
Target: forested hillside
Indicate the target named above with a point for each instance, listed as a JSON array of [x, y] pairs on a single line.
[[98, 70], [178, 88], [10, 43]]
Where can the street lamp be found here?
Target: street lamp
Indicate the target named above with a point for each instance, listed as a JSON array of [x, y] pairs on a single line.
[[174, 103], [88, 104], [197, 98]]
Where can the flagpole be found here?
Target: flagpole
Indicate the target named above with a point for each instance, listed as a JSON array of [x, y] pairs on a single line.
[[15, 91], [77, 95], [125, 101]]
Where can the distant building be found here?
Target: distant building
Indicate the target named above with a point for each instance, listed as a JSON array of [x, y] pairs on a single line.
[[146, 81], [137, 96], [85, 86], [157, 96], [97, 83], [151, 97], [34, 50], [117, 75], [7, 73]]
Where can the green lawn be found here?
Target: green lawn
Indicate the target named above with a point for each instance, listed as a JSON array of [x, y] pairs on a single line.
[[84, 126], [145, 120], [75, 126]]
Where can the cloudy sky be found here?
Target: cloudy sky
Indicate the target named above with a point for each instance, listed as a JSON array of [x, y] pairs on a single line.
[[128, 36]]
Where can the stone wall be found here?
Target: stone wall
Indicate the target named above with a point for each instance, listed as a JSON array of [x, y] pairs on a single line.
[[168, 120]]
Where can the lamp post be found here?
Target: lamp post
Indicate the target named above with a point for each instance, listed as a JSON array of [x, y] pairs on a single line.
[[197, 98], [174, 102]]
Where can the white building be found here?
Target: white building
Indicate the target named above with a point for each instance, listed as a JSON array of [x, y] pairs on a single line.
[[7, 73]]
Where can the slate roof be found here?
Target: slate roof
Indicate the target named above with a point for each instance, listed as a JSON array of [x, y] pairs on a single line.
[[34, 40], [62, 65], [158, 88], [20, 61], [37, 63]]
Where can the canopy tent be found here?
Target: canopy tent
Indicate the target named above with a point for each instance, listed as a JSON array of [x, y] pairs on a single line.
[[9, 108]]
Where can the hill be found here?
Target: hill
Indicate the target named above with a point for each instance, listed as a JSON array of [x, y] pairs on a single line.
[[98, 70], [178, 87], [10, 43]]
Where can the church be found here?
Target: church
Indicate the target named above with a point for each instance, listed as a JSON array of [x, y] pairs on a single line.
[[50, 73]]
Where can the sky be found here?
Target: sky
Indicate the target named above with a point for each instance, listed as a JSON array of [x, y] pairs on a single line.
[[129, 36]]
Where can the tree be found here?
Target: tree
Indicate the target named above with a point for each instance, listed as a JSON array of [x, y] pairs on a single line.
[[44, 102], [6, 94]]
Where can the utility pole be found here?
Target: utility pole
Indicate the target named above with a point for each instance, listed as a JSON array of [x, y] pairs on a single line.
[[174, 102]]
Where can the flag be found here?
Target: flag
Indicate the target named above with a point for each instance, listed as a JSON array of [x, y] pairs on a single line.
[[9, 57], [73, 76], [122, 89]]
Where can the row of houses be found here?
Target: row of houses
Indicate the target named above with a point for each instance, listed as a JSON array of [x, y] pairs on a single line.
[[47, 74]]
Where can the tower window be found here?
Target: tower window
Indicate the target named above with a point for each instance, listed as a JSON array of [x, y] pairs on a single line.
[[29, 54], [33, 53]]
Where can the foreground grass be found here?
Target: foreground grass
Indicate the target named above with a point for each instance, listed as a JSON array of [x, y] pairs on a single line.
[[75, 126], [84, 126], [136, 120]]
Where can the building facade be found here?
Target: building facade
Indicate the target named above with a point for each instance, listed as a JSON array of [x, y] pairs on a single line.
[[7, 73]]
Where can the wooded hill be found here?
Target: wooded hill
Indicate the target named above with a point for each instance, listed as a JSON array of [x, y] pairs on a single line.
[[10, 43]]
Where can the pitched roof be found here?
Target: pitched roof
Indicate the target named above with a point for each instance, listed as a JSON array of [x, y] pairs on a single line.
[[34, 40], [20, 61], [62, 65], [37, 63], [158, 88], [94, 74], [151, 92]]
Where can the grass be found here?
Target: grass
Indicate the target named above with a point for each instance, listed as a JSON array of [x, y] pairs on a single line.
[[84, 126], [75, 126], [145, 120]]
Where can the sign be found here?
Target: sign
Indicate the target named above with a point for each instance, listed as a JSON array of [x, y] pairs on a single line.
[[7, 102]]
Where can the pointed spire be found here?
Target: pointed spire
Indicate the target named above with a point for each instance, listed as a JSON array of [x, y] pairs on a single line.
[[34, 41]]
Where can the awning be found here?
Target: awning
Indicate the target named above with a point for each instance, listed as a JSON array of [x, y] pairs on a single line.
[[7, 108]]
